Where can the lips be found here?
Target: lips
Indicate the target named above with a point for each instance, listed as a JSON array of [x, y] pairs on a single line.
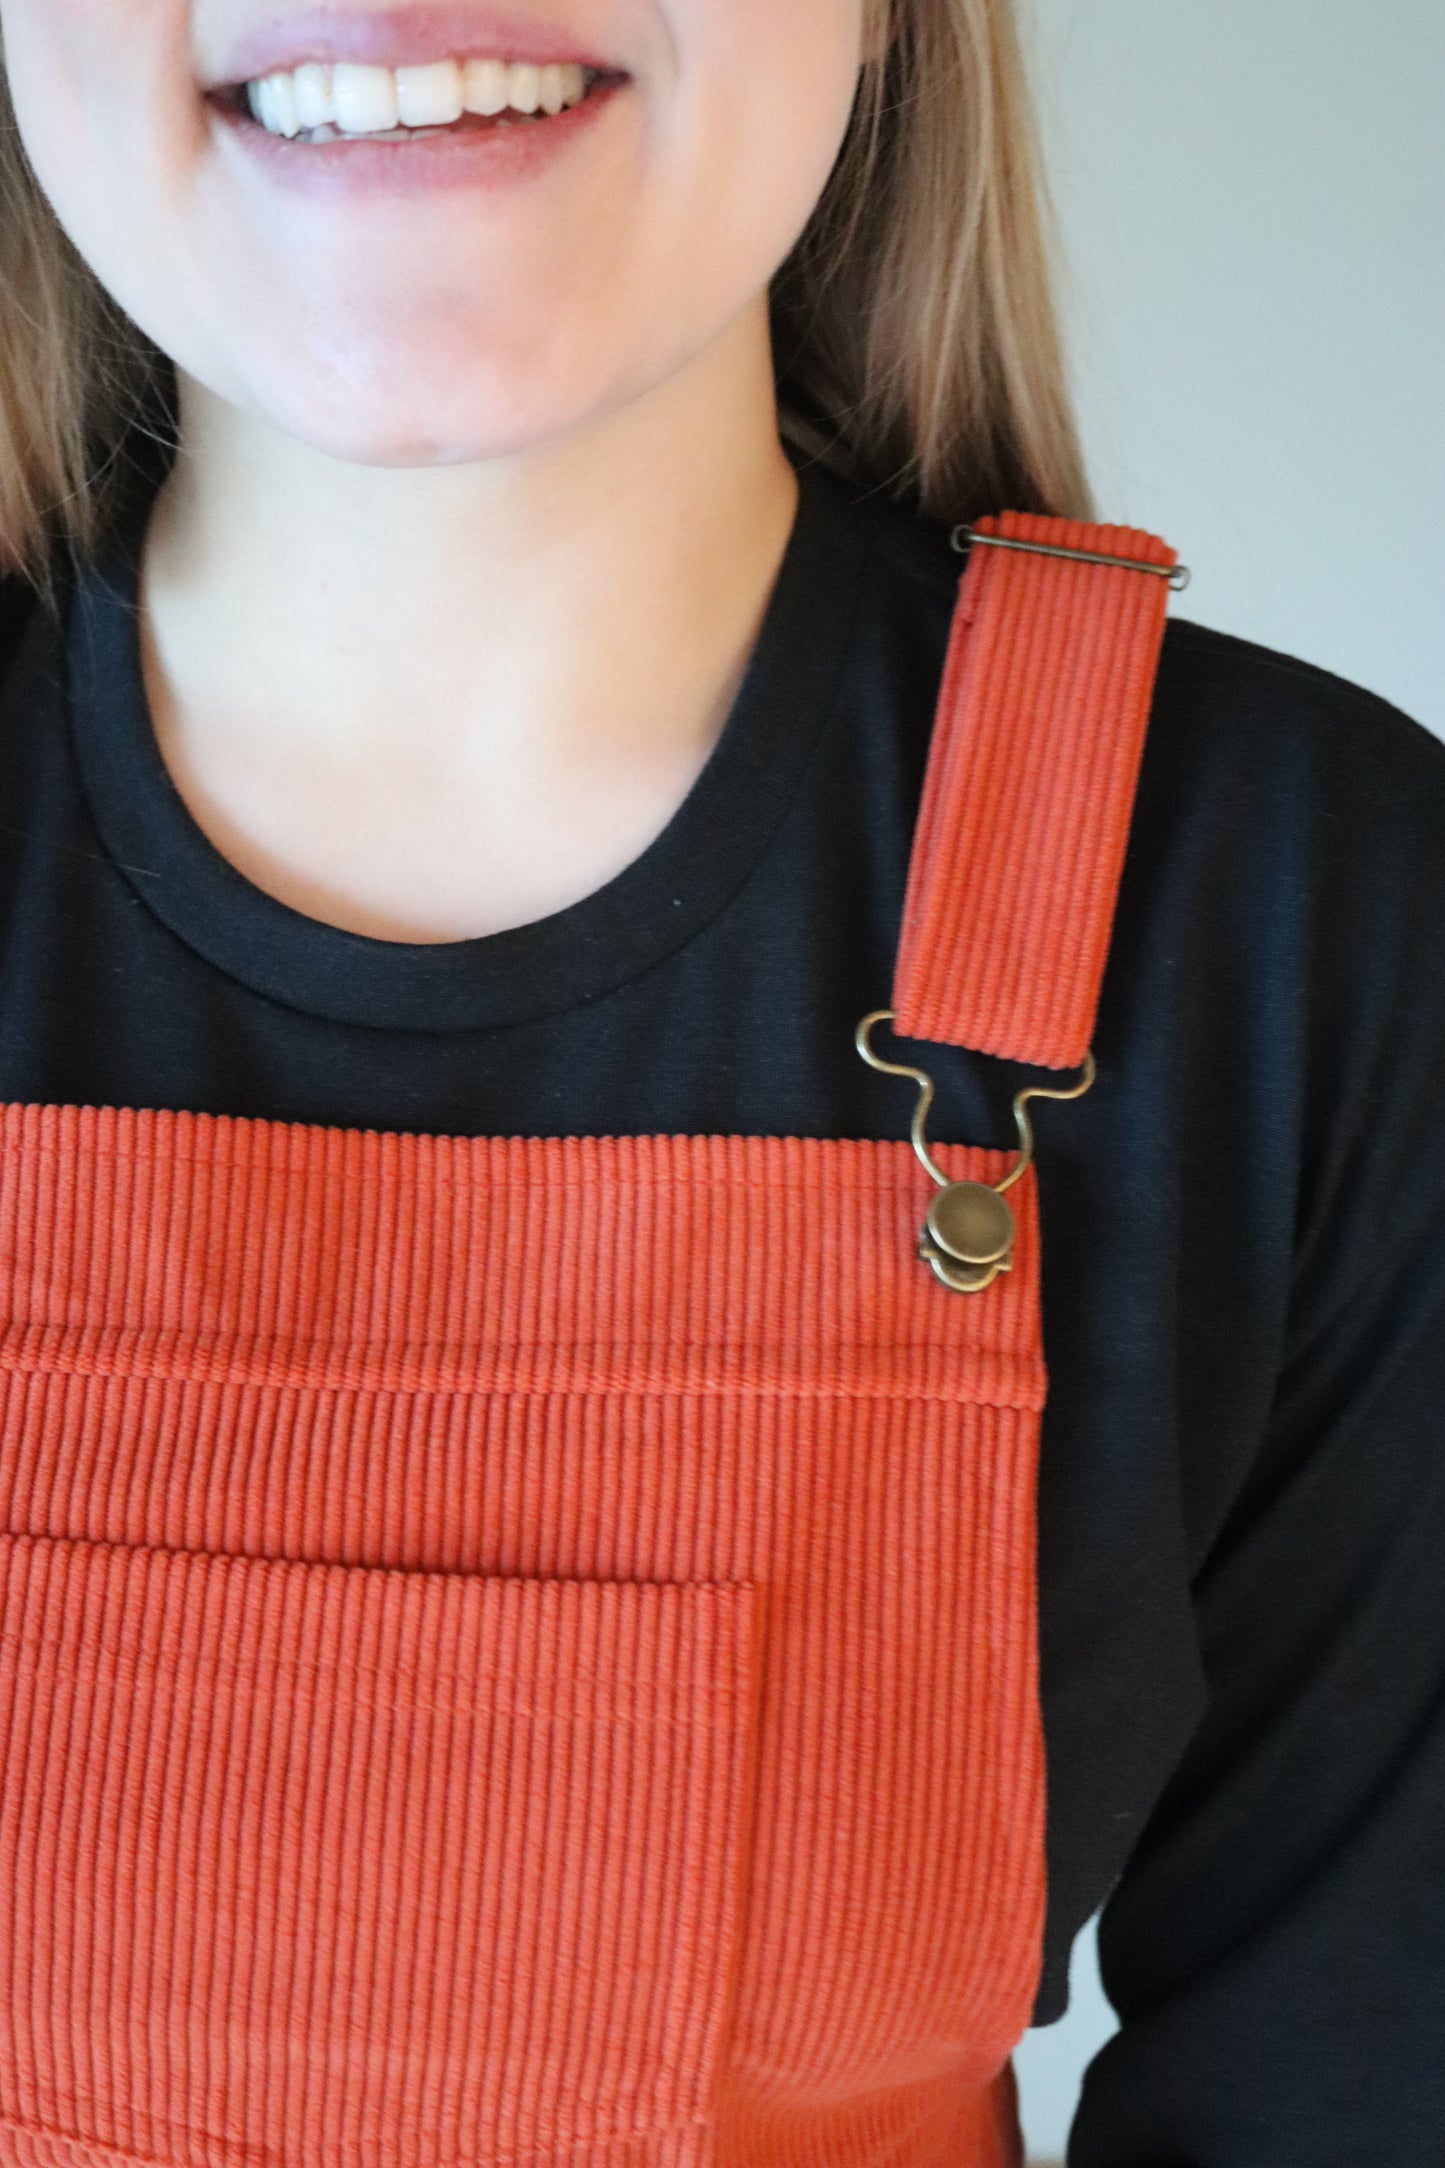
[[401, 38]]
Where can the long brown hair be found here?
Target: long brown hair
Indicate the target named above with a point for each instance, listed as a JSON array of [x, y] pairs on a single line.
[[915, 338]]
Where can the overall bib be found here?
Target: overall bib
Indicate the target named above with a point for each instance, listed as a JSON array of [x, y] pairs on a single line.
[[524, 1650]]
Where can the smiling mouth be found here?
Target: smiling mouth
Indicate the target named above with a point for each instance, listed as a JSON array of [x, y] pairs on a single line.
[[299, 107]]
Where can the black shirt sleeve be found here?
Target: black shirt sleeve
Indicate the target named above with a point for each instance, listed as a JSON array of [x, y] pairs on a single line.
[[1275, 1945]]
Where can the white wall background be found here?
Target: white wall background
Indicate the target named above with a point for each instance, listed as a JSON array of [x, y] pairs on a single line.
[[1252, 202]]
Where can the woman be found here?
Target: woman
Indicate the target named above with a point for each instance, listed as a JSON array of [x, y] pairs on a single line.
[[518, 1630]]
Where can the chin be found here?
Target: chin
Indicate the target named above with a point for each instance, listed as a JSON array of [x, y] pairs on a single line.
[[411, 422]]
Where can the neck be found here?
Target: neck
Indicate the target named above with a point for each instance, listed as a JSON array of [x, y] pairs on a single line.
[[550, 639]]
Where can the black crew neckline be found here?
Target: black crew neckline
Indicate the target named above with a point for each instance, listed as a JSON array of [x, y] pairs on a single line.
[[674, 888]]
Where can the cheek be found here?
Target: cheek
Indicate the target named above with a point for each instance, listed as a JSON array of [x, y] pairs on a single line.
[[101, 91], [45, 66], [753, 135], [81, 63]]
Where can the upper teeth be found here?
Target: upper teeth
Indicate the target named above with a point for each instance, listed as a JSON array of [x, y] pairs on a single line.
[[358, 100]]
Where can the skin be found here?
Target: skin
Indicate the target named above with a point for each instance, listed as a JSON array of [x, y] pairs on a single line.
[[480, 497]]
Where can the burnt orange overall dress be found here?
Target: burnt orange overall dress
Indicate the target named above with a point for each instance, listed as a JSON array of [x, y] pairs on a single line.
[[523, 1650]]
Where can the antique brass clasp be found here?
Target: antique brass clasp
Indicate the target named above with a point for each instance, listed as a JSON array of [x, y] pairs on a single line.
[[967, 1237]]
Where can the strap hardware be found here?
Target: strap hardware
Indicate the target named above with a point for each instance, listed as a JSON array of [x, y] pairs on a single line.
[[1178, 576], [967, 1237]]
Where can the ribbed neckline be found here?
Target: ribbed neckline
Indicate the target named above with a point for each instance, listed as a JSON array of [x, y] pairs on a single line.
[[674, 888]]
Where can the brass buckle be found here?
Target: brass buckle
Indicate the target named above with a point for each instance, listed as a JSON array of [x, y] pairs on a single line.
[[967, 1236], [1178, 576]]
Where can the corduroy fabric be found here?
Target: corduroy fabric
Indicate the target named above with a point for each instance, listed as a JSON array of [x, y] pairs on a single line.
[[511, 1646], [511, 1650], [1023, 826]]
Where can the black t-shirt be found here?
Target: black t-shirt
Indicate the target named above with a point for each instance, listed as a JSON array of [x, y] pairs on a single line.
[[1242, 1482]]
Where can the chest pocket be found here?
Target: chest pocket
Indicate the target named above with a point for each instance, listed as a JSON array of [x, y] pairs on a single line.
[[306, 1862]]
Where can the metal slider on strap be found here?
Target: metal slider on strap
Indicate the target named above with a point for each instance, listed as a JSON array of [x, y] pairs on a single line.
[[1178, 576], [967, 1238]]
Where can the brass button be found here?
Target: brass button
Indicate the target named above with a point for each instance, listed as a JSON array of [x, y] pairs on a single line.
[[972, 1223], [963, 1279]]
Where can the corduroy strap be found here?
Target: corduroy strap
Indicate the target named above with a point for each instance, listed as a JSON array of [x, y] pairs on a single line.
[[1029, 791]]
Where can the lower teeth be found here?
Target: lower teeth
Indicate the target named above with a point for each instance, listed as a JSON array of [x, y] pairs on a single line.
[[329, 134]]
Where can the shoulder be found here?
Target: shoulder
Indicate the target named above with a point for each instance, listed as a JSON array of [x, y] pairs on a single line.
[[1236, 727], [1290, 734], [1286, 872], [1308, 807]]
